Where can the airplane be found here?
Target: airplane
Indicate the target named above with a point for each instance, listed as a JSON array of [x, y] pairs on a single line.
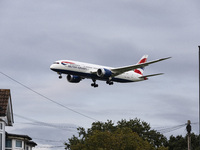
[[77, 71]]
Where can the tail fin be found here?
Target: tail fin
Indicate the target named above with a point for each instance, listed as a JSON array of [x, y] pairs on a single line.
[[142, 60]]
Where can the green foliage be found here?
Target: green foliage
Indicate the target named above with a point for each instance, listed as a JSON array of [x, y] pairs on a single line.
[[126, 135], [143, 129], [120, 139], [180, 143]]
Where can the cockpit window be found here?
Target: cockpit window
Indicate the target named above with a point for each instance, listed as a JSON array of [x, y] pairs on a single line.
[[56, 62]]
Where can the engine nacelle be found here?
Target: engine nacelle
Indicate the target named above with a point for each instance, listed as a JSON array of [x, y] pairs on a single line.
[[73, 78], [102, 72]]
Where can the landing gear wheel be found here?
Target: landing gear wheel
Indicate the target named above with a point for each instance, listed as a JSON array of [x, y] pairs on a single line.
[[94, 84], [60, 76], [109, 82]]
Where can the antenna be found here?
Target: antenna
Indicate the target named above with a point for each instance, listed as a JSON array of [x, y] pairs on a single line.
[[199, 93], [188, 127]]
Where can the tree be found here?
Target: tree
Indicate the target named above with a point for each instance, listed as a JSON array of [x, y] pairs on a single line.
[[180, 143], [143, 129], [126, 135]]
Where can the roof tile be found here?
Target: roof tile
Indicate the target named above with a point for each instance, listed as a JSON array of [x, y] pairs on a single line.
[[4, 98]]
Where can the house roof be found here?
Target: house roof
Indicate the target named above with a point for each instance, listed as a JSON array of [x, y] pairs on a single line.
[[26, 138], [18, 136], [4, 98], [6, 105]]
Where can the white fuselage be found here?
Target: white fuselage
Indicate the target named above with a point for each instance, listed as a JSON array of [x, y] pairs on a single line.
[[86, 70], [76, 71]]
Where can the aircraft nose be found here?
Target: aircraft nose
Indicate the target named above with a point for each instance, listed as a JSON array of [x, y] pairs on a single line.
[[52, 67]]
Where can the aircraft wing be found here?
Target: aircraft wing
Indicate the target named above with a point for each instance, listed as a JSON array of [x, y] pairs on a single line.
[[118, 71]]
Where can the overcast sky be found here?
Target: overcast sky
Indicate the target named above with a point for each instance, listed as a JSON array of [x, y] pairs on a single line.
[[35, 33]]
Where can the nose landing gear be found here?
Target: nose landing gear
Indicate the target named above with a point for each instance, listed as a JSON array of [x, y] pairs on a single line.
[[60, 76]]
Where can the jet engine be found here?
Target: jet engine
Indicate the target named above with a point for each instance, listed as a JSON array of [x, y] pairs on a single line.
[[102, 72], [73, 78]]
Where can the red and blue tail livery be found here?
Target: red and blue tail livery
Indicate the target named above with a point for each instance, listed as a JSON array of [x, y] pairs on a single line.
[[77, 71], [141, 61]]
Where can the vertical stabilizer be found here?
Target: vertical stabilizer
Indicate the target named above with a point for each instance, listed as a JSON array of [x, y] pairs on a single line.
[[142, 60]]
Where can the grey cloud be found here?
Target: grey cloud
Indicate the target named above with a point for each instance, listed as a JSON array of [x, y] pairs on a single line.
[[112, 33]]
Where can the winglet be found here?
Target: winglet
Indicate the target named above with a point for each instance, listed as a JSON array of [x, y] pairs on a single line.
[[165, 58]]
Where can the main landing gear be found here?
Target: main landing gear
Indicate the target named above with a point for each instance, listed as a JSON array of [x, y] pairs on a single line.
[[109, 82], [94, 84]]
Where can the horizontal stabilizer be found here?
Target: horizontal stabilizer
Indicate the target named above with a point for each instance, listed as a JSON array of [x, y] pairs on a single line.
[[151, 75]]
